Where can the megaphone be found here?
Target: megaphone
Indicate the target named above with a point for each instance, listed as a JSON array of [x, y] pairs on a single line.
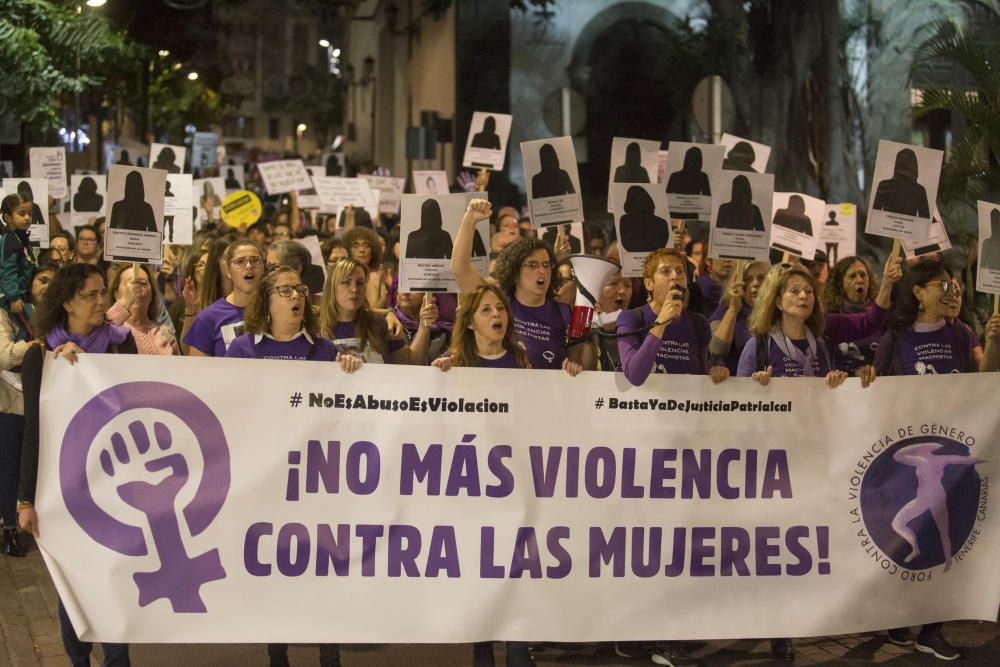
[[590, 273]]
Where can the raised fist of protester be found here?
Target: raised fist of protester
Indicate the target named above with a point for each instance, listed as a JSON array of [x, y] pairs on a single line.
[[478, 209]]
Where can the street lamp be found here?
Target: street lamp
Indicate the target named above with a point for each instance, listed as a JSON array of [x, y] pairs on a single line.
[[96, 3], [193, 76], [325, 43]]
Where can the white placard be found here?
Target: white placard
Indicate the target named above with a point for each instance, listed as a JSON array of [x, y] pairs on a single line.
[[988, 274], [838, 235], [744, 155], [207, 194], [632, 161], [689, 179], [562, 509], [741, 215], [937, 239], [552, 181], [428, 227], [904, 191], [642, 222], [37, 190], [178, 218], [235, 178], [134, 232], [486, 147], [87, 197], [430, 182], [204, 151], [573, 233], [336, 193], [334, 164], [167, 157], [308, 199], [390, 189], [281, 176], [793, 227], [50, 163]]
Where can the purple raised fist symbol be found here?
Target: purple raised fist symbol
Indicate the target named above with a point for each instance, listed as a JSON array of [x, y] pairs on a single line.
[[148, 472]]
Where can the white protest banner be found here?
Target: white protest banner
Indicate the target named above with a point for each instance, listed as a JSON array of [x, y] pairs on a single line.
[[937, 239], [50, 163], [904, 190], [688, 176], [87, 196], [553, 181], [838, 235], [281, 176], [430, 182], [134, 232], [505, 504], [988, 274], [741, 215], [178, 213], [209, 192], [793, 228], [632, 161], [390, 189], [642, 223], [37, 191], [168, 158], [486, 147], [336, 193], [204, 151], [744, 155], [428, 226]]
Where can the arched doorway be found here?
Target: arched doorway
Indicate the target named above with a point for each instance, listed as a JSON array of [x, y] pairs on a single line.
[[622, 66]]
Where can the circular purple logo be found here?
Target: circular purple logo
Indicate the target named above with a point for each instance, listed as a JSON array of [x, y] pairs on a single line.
[[147, 472], [919, 500]]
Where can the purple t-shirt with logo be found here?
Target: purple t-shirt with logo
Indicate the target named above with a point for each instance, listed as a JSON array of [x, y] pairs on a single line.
[[780, 359], [741, 334], [542, 329], [679, 352], [934, 352], [215, 328], [298, 348]]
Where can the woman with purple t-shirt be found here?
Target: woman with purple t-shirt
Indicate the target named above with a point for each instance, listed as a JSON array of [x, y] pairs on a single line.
[[730, 331], [524, 273], [664, 336], [483, 335], [280, 324], [922, 340], [347, 319], [852, 288], [218, 325]]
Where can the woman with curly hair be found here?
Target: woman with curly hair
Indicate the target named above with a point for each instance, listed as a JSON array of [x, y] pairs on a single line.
[[355, 328], [852, 288], [524, 273], [364, 246]]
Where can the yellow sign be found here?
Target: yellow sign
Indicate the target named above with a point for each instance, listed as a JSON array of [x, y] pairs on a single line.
[[241, 208]]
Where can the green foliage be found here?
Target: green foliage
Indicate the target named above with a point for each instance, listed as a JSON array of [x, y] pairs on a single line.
[[40, 42], [969, 172], [176, 101]]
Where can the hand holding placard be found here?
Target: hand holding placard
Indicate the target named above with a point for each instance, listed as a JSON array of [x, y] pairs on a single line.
[[429, 310]]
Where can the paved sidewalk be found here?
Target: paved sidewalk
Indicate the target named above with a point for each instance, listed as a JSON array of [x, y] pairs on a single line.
[[29, 637]]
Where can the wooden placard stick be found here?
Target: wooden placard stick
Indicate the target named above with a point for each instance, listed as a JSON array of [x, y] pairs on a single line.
[[482, 180]]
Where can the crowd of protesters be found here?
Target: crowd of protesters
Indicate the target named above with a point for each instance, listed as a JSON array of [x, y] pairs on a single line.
[[255, 293]]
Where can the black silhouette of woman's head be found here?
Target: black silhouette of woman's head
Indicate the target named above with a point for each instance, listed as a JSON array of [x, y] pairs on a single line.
[[906, 165], [633, 155], [88, 187], [24, 189], [548, 158], [430, 216], [490, 125], [692, 159], [742, 154], [638, 202], [134, 188], [796, 204], [742, 192]]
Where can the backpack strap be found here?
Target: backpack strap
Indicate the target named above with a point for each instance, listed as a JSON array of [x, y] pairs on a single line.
[[763, 348]]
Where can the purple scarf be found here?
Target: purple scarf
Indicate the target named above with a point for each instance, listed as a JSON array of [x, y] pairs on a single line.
[[97, 341]]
